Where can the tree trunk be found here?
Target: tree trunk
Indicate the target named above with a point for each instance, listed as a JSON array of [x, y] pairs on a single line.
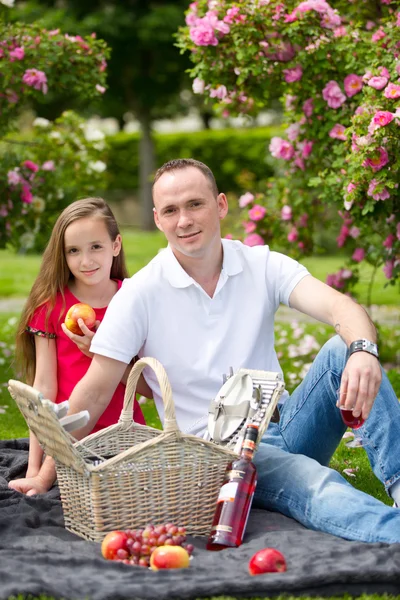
[[146, 172]]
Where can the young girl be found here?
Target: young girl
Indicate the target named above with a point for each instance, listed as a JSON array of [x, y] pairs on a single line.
[[83, 262]]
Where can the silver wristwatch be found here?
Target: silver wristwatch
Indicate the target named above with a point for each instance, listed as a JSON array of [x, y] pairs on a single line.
[[364, 346]]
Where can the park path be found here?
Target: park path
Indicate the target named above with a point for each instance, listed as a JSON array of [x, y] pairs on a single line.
[[385, 315]]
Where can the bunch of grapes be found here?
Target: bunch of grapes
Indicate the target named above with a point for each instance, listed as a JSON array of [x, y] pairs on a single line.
[[141, 543]]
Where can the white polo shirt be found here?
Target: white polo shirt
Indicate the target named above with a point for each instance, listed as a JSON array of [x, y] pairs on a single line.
[[162, 312]]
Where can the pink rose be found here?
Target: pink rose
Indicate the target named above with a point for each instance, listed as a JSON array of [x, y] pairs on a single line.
[[293, 235], [245, 199], [202, 34], [198, 86], [377, 160], [293, 131], [378, 83], [388, 269], [17, 54], [378, 35], [308, 107], [383, 195], [14, 178], [352, 84], [29, 164], [280, 148], [338, 132], [220, 92], [257, 213], [286, 213], [294, 74], [333, 94], [36, 79], [100, 88], [306, 148], [354, 232], [358, 255], [48, 165], [253, 240], [229, 236], [389, 241], [381, 118], [392, 91], [26, 194], [249, 227]]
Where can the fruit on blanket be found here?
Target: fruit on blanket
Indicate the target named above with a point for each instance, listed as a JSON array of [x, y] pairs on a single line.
[[267, 560], [113, 544], [141, 543], [79, 311], [169, 557]]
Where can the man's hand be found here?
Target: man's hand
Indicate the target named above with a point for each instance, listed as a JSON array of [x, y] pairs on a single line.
[[360, 383], [29, 486], [82, 341]]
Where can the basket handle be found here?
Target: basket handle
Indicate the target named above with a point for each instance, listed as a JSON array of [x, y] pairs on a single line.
[[170, 423]]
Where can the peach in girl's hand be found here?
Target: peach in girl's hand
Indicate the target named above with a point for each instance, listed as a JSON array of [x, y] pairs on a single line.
[[80, 311]]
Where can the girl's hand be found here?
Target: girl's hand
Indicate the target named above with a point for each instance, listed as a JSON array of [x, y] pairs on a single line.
[[82, 341]]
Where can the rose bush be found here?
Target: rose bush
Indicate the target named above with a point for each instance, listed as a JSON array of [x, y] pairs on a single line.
[[39, 176], [338, 71]]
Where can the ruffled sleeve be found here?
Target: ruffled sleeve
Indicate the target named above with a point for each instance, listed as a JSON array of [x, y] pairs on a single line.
[[38, 325]]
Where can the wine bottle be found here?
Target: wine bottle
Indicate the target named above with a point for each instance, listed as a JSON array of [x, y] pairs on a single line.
[[235, 497]]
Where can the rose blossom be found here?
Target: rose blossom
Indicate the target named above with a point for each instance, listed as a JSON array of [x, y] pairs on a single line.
[[333, 94], [198, 86], [249, 227], [280, 148], [48, 165], [292, 235], [26, 194], [286, 213], [293, 131], [220, 92], [388, 268], [389, 241], [36, 79], [308, 107], [338, 132], [17, 54], [383, 195], [294, 74], [392, 91], [29, 164], [380, 119], [358, 254], [377, 161], [245, 199], [352, 84], [257, 213], [378, 83], [378, 35], [14, 178], [253, 240]]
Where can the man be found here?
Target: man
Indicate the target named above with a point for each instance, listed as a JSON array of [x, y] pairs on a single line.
[[205, 304]]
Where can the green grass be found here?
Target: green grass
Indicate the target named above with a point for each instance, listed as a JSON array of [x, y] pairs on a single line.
[[18, 272]]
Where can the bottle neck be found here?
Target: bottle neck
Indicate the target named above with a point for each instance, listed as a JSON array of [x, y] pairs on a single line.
[[247, 454]]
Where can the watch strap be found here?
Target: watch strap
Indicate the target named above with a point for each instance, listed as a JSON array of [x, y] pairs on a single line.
[[364, 345]]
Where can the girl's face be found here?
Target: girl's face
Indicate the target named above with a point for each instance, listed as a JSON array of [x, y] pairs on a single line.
[[89, 250]]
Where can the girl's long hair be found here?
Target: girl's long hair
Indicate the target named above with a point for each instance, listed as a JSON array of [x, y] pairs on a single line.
[[54, 275]]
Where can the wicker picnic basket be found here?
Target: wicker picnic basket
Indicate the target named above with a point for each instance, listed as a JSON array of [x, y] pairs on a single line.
[[128, 475]]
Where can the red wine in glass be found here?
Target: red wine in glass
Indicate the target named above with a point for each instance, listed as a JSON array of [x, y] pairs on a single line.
[[350, 420]]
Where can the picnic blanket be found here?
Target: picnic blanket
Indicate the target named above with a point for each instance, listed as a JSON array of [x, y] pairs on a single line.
[[39, 556]]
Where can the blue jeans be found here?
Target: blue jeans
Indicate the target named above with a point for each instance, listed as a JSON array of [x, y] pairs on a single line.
[[293, 456]]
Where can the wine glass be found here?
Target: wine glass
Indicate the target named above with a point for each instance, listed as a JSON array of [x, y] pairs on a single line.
[[354, 423]]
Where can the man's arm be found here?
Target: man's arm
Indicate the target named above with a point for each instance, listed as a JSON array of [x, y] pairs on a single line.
[[362, 375]]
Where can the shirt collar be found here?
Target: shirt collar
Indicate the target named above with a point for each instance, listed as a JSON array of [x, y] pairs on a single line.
[[177, 276]]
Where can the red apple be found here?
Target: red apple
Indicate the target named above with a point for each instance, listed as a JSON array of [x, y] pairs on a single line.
[[79, 311], [268, 560], [114, 541], [169, 557]]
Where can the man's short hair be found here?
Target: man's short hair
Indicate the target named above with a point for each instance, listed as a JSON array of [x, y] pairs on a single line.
[[184, 163]]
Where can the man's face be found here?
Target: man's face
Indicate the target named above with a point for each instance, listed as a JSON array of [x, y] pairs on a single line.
[[187, 211]]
